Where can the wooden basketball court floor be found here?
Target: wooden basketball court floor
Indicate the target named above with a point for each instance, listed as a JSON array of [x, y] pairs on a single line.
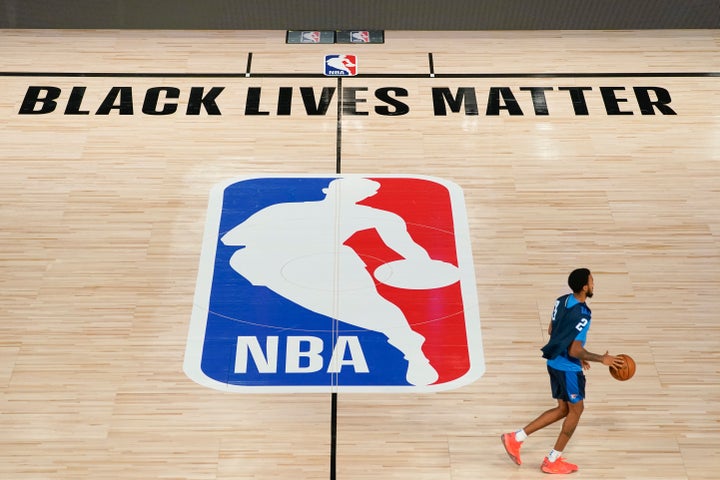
[[103, 215]]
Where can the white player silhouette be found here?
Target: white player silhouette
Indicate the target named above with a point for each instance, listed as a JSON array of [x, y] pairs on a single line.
[[296, 250]]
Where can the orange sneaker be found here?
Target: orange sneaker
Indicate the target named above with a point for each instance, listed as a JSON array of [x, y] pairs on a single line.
[[512, 446], [558, 466]]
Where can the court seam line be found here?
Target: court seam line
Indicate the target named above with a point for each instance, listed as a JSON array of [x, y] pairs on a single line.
[[249, 64], [338, 138], [336, 322], [431, 65]]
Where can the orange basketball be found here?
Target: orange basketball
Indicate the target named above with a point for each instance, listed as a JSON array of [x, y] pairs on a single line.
[[625, 372]]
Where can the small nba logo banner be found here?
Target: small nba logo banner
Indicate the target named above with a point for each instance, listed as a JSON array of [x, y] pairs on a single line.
[[340, 65], [310, 37], [360, 36], [348, 283]]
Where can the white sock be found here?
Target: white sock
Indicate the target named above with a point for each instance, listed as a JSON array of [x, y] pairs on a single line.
[[520, 435], [554, 455]]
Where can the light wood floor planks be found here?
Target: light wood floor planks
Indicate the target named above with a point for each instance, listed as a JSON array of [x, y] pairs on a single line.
[[103, 216]]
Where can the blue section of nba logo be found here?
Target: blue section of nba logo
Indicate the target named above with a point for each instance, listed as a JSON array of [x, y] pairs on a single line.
[[261, 326], [340, 65]]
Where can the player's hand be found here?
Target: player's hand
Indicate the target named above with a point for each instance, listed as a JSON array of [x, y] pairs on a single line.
[[612, 361], [585, 365]]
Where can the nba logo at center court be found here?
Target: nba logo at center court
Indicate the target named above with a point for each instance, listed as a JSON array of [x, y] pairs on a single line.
[[335, 283], [340, 65]]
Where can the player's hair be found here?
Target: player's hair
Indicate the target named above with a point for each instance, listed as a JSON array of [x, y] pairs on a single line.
[[578, 278]]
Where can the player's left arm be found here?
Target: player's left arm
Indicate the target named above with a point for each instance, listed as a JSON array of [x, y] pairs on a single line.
[[578, 351]]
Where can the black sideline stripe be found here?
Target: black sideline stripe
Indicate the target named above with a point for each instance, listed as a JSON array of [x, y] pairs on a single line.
[[368, 75]]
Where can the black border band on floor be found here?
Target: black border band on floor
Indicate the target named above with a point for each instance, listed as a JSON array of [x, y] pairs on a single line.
[[367, 75]]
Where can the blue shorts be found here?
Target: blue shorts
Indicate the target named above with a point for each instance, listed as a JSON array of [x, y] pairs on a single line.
[[568, 386]]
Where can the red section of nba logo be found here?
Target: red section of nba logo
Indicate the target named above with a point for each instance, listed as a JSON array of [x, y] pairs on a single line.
[[435, 313], [340, 65]]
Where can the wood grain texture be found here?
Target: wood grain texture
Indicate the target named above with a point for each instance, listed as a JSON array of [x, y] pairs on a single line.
[[103, 219]]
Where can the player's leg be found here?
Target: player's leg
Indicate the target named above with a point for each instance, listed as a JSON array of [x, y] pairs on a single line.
[[512, 441], [575, 387], [548, 417], [558, 388], [374, 312], [571, 422], [554, 462]]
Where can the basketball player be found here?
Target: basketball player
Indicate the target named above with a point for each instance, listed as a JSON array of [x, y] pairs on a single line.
[[566, 359], [297, 250]]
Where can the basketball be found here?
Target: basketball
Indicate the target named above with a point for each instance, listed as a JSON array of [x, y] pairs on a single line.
[[625, 372]]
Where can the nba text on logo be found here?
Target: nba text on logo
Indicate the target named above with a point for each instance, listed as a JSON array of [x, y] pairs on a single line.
[[340, 65], [355, 283]]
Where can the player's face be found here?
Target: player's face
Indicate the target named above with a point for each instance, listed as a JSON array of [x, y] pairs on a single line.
[[590, 286]]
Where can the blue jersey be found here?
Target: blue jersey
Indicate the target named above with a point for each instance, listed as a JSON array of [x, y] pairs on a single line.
[[570, 322]]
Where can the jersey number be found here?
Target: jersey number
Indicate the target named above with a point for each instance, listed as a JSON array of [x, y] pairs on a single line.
[[555, 309], [581, 324]]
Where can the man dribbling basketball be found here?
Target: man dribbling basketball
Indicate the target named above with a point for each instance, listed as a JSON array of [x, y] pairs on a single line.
[[566, 359]]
